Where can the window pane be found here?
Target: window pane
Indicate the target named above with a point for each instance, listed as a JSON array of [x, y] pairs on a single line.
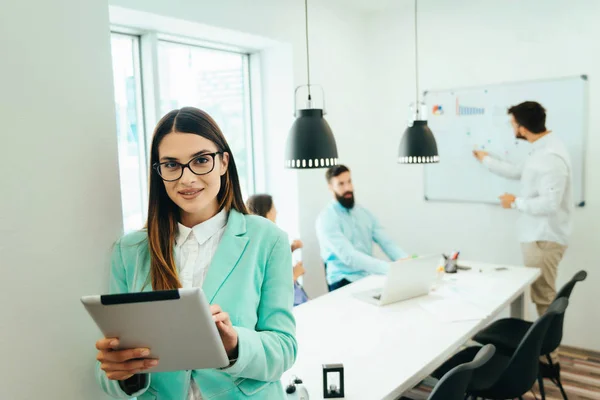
[[217, 82], [132, 163]]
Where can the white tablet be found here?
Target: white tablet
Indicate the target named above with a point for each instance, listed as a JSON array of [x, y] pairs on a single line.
[[176, 325]]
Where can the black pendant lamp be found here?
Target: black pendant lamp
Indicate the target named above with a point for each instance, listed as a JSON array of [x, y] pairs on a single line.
[[418, 145], [310, 143]]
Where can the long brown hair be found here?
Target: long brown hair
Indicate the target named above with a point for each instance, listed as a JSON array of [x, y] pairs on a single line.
[[163, 214]]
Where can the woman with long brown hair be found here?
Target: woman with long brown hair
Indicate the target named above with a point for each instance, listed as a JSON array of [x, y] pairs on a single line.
[[198, 234]]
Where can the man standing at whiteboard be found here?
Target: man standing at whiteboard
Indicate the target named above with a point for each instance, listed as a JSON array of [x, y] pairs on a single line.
[[545, 203]]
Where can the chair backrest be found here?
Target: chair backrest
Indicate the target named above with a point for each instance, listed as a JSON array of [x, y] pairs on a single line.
[[454, 384], [522, 370], [566, 290], [555, 331], [325, 275]]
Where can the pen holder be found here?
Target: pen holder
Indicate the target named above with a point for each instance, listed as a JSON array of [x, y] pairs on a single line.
[[451, 266]]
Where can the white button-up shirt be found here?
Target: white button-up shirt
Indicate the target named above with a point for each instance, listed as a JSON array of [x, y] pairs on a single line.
[[194, 250], [546, 195]]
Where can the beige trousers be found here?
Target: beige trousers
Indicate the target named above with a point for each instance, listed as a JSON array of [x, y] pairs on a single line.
[[546, 256]]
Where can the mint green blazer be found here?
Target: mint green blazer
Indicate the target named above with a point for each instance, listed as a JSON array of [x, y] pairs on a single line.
[[251, 279]]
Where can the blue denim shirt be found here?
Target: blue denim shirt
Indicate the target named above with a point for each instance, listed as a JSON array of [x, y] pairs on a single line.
[[346, 239]]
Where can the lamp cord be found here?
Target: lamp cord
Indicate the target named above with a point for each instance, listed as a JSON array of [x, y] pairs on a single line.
[[416, 63], [307, 52]]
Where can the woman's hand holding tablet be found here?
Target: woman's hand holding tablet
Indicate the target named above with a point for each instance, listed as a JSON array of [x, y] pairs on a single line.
[[120, 365]]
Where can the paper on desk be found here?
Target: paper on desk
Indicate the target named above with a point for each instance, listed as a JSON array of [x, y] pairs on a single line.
[[467, 291], [452, 309]]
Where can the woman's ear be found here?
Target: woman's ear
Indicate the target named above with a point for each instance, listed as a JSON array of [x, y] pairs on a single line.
[[224, 163]]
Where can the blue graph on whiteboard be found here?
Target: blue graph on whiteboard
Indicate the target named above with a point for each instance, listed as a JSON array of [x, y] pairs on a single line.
[[466, 110]]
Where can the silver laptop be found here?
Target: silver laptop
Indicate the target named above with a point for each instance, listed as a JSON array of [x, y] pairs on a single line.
[[405, 279]]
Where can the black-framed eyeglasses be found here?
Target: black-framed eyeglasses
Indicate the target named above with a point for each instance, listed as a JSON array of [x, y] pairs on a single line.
[[171, 171]]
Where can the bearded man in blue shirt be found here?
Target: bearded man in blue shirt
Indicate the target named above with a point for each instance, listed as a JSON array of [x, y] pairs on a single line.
[[346, 232]]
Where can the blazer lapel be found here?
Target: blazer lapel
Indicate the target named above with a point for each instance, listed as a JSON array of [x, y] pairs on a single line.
[[228, 254]]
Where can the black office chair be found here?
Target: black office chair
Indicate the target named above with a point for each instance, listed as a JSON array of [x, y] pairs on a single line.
[[506, 334], [325, 275], [453, 385], [508, 377]]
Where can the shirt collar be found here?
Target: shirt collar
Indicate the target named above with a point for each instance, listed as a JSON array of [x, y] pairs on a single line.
[[203, 231], [542, 142]]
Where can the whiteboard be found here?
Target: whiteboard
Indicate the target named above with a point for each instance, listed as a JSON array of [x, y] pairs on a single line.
[[476, 118]]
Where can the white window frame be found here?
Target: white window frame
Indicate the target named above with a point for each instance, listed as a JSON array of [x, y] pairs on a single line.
[[141, 114]]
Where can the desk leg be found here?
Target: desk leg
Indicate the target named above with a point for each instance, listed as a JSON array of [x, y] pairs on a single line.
[[517, 308]]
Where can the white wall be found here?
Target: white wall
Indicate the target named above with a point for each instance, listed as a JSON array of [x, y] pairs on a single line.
[[60, 204], [337, 43], [466, 43]]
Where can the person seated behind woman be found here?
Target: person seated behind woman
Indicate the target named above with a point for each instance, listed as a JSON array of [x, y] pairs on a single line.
[[198, 234], [262, 204]]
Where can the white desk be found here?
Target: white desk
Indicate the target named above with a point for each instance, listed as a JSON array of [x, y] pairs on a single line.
[[388, 350]]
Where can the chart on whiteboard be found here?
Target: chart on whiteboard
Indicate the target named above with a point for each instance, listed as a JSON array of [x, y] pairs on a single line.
[[477, 126], [464, 120]]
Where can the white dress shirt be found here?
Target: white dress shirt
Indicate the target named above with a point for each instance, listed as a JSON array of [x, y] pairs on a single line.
[[194, 250], [546, 198]]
